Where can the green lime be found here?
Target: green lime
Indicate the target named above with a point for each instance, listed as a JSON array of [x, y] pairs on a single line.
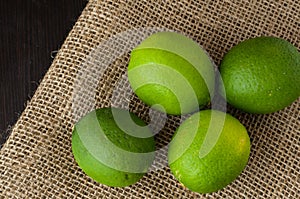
[[172, 73], [113, 147], [208, 151], [261, 75]]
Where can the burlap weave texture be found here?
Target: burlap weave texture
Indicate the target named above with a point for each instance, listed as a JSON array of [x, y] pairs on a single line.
[[37, 162]]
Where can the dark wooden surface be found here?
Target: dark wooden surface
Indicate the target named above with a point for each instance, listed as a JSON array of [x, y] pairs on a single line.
[[30, 33]]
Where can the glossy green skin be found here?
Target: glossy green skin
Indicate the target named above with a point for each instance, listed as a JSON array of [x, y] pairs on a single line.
[[261, 75], [173, 71], [113, 167], [224, 162]]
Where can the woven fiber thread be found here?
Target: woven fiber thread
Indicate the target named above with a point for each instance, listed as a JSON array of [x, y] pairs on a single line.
[[37, 162]]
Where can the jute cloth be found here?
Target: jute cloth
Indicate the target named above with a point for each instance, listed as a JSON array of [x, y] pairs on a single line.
[[89, 71]]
